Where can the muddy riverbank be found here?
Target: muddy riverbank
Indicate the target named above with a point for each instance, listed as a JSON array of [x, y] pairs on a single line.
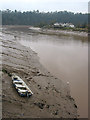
[[51, 98]]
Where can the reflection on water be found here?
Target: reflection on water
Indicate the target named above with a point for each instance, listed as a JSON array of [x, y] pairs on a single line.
[[66, 57]]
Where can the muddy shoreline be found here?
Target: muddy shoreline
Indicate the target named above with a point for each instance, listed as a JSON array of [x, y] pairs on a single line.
[[51, 98], [46, 31]]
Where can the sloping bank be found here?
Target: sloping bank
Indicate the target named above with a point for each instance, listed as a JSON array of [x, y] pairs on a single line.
[[51, 98]]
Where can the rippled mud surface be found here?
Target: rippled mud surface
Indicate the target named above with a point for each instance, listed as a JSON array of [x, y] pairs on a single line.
[[51, 98]]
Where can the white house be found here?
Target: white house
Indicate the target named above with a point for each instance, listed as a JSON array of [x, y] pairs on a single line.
[[72, 26], [64, 25], [56, 24]]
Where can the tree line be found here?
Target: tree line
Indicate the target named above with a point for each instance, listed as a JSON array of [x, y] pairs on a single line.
[[36, 18]]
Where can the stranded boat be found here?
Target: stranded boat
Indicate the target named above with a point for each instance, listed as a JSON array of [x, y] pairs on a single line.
[[21, 86]]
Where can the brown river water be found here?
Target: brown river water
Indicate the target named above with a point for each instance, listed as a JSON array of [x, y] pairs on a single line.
[[66, 57]]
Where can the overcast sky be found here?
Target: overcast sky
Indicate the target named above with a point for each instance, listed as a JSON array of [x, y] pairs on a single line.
[[45, 5]]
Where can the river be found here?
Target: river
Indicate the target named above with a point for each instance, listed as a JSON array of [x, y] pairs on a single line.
[[66, 57]]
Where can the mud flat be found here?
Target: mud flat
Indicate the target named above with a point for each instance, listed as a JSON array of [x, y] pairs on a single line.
[[51, 98]]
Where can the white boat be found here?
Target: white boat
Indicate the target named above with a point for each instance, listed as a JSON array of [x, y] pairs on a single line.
[[21, 86]]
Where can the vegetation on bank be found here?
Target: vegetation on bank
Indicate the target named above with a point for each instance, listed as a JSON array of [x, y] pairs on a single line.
[[76, 29], [81, 29], [46, 20]]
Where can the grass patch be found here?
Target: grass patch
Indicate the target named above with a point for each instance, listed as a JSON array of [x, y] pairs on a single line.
[[5, 71]]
